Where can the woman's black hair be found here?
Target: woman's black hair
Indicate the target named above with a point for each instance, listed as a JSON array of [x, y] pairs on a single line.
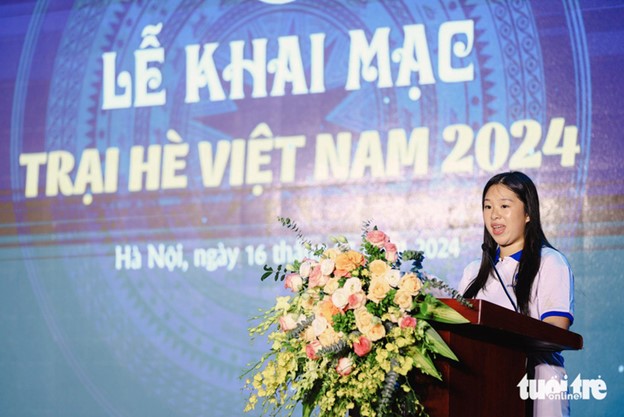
[[534, 240]]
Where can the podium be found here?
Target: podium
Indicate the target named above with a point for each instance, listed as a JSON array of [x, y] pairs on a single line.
[[492, 351]]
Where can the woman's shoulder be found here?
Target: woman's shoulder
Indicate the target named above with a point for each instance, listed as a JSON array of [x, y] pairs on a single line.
[[553, 256], [554, 262], [473, 266], [470, 272]]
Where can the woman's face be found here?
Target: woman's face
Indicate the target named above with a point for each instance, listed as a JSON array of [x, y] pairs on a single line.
[[505, 218]]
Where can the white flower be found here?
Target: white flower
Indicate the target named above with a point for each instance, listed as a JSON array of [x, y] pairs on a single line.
[[319, 325], [353, 285], [287, 322], [327, 266], [340, 297], [393, 277], [305, 268]]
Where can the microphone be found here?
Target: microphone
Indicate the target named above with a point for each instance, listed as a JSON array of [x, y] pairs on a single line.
[[484, 249]]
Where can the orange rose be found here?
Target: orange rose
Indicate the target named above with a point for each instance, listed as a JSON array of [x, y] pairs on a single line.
[[348, 261], [327, 309]]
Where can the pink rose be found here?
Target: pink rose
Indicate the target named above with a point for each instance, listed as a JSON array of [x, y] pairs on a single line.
[[362, 346], [293, 282], [345, 366], [312, 349], [407, 321], [316, 277], [377, 238], [356, 300], [391, 252]]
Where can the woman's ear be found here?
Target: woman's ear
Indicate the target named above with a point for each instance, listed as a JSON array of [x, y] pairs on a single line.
[[528, 218]]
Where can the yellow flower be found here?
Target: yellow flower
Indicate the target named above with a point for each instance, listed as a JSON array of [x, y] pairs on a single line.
[[378, 268], [282, 304], [285, 374], [403, 299], [410, 283], [377, 332], [406, 365], [363, 319], [331, 286], [251, 403], [309, 300], [378, 289], [401, 342], [331, 253]]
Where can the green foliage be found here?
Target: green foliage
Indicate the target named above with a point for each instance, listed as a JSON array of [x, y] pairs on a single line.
[[389, 386], [437, 345], [416, 257], [279, 273], [344, 322], [301, 327], [423, 362], [434, 282], [378, 309], [430, 308]]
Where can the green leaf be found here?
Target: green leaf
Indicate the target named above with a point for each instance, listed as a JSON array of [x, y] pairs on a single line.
[[445, 314], [309, 400], [438, 345], [307, 410], [424, 363]]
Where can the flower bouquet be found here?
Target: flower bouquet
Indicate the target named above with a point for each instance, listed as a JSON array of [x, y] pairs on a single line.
[[353, 335]]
